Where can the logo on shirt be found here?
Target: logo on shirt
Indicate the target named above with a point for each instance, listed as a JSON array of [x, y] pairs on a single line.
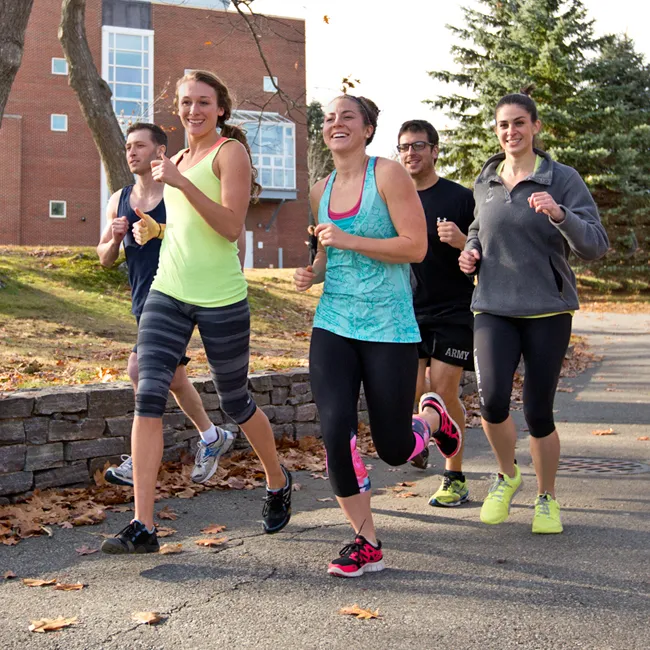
[[490, 195]]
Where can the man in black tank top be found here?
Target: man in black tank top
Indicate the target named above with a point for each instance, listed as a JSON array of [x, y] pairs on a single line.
[[144, 200], [442, 293]]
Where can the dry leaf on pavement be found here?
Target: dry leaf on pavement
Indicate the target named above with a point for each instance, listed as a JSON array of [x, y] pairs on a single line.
[[296, 486], [407, 484], [406, 495], [167, 513], [62, 586], [643, 438], [325, 499], [150, 618], [168, 549], [187, 493], [212, 541], [358, 612], [603, 432], [51, 624], [86, 550], [213, 529], [165, 531], [8, 575], [35, 582]]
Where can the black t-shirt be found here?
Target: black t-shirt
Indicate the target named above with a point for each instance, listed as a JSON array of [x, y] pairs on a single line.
[[442, 291], [142, 261]]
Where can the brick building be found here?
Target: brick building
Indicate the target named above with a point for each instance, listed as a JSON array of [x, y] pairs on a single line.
[[52, 188]]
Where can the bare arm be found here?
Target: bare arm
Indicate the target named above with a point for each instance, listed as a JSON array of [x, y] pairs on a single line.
[[241, 245], [108, 248], [406, 213], [233, 168]]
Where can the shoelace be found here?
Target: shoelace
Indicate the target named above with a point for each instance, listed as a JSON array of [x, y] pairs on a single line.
[[130, 531], [497, 488], [127, 463], [350, 549], [543, 506], [446, 482], [273, 500]]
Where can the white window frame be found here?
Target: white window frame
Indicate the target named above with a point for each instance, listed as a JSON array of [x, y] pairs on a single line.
[[131, 31], [242, 118], [268, 84], [65, 61], [59, 216], [63, 115]]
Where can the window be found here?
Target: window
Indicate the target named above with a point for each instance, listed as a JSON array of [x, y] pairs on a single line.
[[59, 66], [57, 209], [58, 122], [127, 67], [269, 86], [273, 147]]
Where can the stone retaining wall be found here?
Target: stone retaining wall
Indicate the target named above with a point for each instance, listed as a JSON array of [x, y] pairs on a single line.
[[61, 436]]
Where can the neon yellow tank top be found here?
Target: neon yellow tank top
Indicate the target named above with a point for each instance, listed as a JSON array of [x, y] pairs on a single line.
[[197, 265]]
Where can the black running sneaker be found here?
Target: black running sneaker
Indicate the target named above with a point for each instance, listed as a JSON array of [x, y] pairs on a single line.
[[448, 437], [277, 507], [421, 461], [135, 538]]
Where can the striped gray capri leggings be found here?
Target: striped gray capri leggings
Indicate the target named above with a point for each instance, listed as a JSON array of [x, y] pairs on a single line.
[[166, 326]]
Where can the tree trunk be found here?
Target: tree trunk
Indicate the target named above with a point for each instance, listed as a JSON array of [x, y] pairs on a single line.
[[94, 94], [14, 15]]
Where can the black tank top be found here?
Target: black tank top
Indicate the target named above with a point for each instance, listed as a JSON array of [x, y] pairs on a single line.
[[142, 261]]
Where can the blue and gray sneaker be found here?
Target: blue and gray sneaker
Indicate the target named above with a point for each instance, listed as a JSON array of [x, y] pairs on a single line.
[[207, 457]]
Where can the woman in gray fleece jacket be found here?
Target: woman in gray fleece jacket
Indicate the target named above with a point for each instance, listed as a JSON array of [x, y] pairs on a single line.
[[530, 213]]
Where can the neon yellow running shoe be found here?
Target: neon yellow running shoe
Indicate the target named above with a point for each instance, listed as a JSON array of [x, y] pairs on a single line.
[[451, 493], [496, 507], [547, 515]]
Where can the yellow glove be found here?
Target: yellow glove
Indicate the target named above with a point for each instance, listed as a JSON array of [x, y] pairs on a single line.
[[147, 228]]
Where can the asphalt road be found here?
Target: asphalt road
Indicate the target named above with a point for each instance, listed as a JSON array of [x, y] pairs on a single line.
[[451, 582]]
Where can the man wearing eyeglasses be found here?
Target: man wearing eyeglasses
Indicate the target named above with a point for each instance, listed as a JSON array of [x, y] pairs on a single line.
[[442, 293]]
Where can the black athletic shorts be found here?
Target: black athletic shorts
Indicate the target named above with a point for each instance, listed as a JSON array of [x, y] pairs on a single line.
[[448, 342], [184, 359]]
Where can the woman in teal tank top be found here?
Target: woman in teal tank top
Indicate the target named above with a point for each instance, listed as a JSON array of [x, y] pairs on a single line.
[[199, 283], [371, 225]]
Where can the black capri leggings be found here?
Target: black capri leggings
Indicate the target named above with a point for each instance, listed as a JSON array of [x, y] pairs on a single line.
[[337, 366], [166, 326], [499, 343]]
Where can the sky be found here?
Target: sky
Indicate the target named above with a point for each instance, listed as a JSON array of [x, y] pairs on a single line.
[[389, 46]]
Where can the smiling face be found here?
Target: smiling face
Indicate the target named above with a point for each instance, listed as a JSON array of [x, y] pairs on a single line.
[[198, 108], [141, 149], [417, 163], [515, 129], [343, 127]]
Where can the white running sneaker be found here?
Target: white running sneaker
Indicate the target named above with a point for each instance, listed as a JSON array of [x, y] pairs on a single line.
[[122, 475], [207, 457]]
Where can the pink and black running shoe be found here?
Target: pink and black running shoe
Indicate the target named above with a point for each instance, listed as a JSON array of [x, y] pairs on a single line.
[[449, 436], [357, 558]]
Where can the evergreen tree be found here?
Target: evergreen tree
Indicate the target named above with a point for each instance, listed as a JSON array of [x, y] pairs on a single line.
[[508, 45]]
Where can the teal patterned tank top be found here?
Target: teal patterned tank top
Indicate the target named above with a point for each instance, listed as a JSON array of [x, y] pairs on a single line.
[[362, 298]]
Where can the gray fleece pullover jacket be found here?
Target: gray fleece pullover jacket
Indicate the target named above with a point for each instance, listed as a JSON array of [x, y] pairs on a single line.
[[524, 270]]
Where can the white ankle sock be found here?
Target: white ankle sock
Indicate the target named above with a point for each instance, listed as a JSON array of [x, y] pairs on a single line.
[[210, 436]]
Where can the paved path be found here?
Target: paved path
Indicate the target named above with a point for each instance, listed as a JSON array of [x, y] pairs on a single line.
[[452, 582]]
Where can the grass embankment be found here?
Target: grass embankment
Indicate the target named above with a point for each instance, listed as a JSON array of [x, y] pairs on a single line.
[[64, 319]]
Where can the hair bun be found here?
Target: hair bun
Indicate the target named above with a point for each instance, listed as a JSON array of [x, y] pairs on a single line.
[[370, 106], [528, 89]]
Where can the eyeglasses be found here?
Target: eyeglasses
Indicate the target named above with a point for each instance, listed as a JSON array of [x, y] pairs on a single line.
[[416, 146]]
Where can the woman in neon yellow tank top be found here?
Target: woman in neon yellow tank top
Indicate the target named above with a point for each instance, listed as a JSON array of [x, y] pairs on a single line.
[[199, 282]]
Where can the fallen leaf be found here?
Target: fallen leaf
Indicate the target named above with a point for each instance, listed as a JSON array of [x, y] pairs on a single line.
[[325, 499], [106, 375], [52, 624], [86, 550], [208, 43], [166, 513], [406, 495], [643, 438], [120, 508], [9, 575], [212, 541], [62, 586], [296, 486], [187, 493], [66, 524], [603, 432], [358, 612], [236, 483], [164, 531], [168, 549], [35, 582], [213, 529], [48, 530], [148, 618], [406, 484], [565, 389], [10, 541]]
